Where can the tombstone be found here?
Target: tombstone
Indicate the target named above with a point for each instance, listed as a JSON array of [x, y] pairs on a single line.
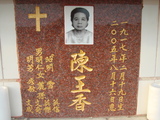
[[78, 58]]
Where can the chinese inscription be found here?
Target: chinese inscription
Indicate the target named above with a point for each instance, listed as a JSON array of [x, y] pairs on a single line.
[[117, 80], [38, 86], [78, 63]]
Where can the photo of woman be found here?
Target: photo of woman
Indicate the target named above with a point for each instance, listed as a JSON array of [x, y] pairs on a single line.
[[79, 32]]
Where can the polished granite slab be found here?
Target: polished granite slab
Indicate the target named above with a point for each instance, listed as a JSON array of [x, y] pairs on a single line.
[[78, 80]]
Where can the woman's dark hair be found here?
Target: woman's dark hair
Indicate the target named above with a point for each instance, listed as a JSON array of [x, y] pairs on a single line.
[[82, 10]]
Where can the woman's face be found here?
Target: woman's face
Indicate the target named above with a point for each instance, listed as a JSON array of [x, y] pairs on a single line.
[[79, 21]]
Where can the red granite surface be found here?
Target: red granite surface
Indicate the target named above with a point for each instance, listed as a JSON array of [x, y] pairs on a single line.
[[51, 40]]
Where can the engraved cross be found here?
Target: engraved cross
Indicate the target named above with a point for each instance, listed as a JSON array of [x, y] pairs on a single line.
[[37, 16]]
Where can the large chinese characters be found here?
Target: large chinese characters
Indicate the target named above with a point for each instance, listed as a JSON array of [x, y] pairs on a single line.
[[78, 63]]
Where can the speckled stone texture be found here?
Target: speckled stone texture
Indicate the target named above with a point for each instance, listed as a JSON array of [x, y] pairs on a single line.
[[114, 58]]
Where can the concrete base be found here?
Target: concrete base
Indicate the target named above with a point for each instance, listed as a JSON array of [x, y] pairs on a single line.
[[106, 118]]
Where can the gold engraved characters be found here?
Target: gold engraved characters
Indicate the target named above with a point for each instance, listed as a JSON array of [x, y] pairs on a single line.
[[78, 63], [37, 67], [118, 73]]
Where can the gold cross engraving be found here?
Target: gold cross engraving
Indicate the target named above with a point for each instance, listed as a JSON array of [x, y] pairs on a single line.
[[37, 16]]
